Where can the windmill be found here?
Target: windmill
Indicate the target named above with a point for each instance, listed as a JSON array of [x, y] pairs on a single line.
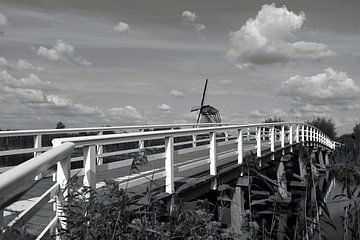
[[207, 113]]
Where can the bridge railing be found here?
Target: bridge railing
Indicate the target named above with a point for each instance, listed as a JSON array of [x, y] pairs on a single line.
[[265, 136], [35, 142]]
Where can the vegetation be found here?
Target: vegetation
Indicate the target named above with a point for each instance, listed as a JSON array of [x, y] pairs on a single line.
[[114, 213], [325, 125]]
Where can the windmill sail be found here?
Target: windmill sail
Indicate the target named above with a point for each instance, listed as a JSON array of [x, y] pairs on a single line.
[[207, 113]]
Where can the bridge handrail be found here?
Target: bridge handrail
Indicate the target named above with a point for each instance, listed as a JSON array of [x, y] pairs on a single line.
[[63, 147], [128, 137], [14, 177], [14, 133]]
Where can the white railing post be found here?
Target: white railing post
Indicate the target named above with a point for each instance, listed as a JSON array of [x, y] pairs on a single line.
[[318, 136], [282, 136], [141, 142], [303, 133], [291, 134], [213, 155], [226, 136], [248, 134], [240, 146], [272, 139], [194, 140], [89, 166], [263, 133], [307, 133], [62, 178], [258, 141], [100, 151], [169, 165], [297, 138], [37, 144]]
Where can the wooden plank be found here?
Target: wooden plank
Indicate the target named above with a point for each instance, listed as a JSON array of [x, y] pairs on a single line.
[[26, 215], [263, 193], [47, 230], [243, 181]]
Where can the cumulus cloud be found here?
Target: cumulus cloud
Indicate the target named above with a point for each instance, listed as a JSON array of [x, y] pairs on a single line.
[[190, 19], [30, 81], [121, 27], [267, 39], [126, 113], [32, 93], [176, 93], [329, 87], [164, 107], [21, 64], [62, 51], [3, 20]]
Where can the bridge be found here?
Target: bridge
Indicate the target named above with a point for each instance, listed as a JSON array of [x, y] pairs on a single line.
[[184, 159]]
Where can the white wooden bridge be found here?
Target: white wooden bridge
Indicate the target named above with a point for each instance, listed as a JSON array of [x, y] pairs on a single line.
[[176, 154]]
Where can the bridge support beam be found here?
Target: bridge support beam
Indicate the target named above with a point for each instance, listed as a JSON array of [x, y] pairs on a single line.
[[281, 231], [326, 158], [321, 159], [302, 166], [281, 178], [237, 209], [313, 162]]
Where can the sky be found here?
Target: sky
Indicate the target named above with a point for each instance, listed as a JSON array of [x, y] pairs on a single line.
[[125, 62]]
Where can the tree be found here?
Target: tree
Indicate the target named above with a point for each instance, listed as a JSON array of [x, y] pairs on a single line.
[[356, 131], [273, 119], [325, 125], [60, 125]]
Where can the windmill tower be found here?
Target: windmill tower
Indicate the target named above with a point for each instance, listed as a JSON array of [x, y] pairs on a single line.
[[207, 113]]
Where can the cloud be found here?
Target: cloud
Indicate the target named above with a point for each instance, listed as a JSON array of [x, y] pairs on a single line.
[[3, 62], [126, 113], [62, 51], [164, 107], [32, 93], [190, 19], [3, 20], [266, 39], [21, 64], [277, 112], [329, 87], [30, 81], [122, 27], [176, 93]]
